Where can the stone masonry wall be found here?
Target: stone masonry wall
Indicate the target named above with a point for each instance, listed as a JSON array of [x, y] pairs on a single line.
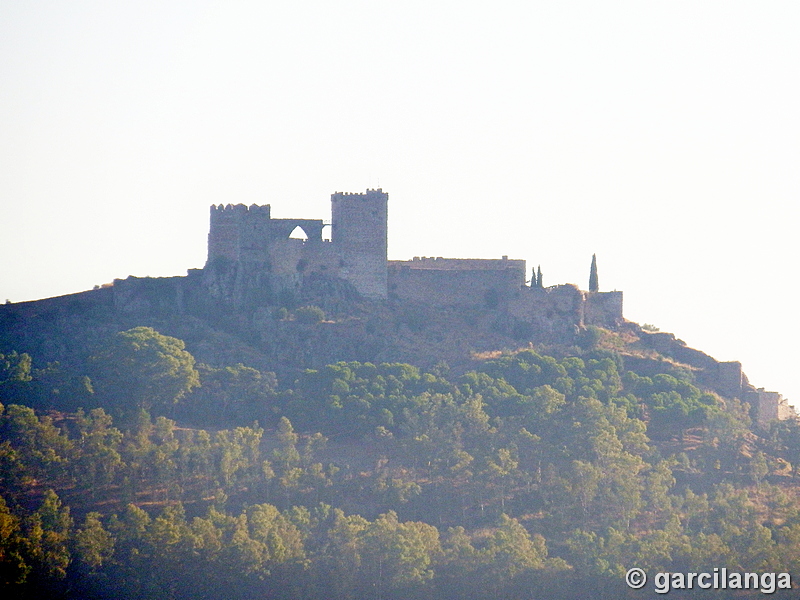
[[442, 287], [603, 309], [359, 230], [554, 312]]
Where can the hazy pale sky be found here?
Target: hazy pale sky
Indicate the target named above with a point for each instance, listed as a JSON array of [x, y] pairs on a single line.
[[663, 136]]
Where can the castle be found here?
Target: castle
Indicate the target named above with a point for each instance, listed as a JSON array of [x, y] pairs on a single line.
[[258, 248], [256, 263]]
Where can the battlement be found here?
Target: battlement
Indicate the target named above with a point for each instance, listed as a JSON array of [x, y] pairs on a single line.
[[377, 192], [458, 264], [226, 210]]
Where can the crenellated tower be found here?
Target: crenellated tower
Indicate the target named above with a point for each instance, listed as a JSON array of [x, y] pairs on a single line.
[[359, 235], [236, 230]]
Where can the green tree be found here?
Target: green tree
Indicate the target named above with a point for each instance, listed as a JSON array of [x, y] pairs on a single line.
[[512, 550], [38, 444], [94, 545], [99, 443], [287, 458], [501, 471], [594, 284], [14, 549], [398, 554], [50, 532], [339, 560], [15, 378], [231, 394], [140, 369]]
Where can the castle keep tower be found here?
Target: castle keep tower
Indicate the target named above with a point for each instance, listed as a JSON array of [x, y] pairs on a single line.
[[236, 230], [359, 235]]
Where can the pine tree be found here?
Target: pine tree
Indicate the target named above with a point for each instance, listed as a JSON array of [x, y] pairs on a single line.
[[594, 285]]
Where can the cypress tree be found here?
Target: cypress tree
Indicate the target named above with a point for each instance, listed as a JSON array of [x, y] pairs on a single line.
[[594, 284], [539, 283], [534, 284]]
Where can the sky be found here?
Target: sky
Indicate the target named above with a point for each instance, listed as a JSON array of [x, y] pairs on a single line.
[[662, 136]]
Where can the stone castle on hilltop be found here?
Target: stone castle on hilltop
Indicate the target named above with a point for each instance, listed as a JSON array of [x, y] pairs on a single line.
[[248, 241], [258, 266]]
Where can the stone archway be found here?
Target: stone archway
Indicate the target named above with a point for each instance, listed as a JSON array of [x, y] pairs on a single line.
[[298, 233]]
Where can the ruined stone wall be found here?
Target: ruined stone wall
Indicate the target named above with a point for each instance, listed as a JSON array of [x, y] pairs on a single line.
[[252, 259], [359, 231], [668, 345], [603, 309], [786, 410], [293, 256], [445, 287], [730, 379], [768, 407], [724, 377], [248, 233], [553, 312]]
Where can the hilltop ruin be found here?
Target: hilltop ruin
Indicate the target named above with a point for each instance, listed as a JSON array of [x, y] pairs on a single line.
[[258, 265]]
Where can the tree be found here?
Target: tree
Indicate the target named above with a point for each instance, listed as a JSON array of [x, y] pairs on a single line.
[[287, 457], [594, 285], [15, 378], [539, 283], [94, 545], [512, 550], [398, 554], [142, 369], [501, 472], [50, 533], [231, 394], [15, 367], [14, 549], [99, 444], [37, 443]]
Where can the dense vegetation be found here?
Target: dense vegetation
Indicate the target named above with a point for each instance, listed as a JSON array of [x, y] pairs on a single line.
[[534, 476]]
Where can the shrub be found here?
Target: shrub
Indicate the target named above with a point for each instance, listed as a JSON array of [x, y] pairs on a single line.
[[309, 314]]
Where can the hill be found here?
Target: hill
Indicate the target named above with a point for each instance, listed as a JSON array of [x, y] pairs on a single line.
[[438, 428]]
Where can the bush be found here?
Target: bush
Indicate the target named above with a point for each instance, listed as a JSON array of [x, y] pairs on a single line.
[[590, 338], [309, 314]]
